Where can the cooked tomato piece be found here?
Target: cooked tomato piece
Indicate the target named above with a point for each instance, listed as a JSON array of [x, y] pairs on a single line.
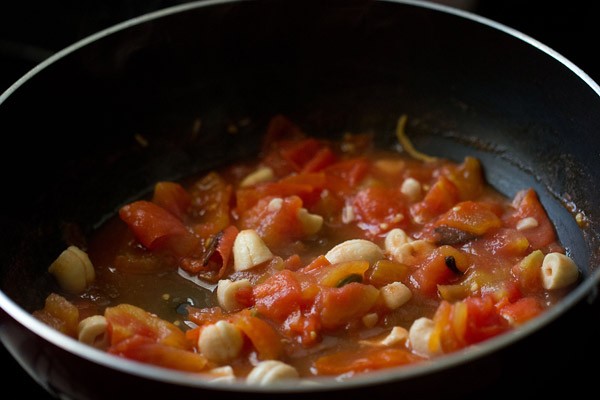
[[276, 221], [508, 243], [154, 227], [319, 262], [335, 274], [470, 216], [380, 209], [60, 314], [484, 320], [322, 159], [383, 272], [211, 202], [144, 349], [363, 359], [344, 176], [468, 178], [527, 272], [172, 197], [439, 199], [126, 321], [444, 265], [264, 338], [213, 262], [522, 310], [247, 198], [344, 304], [305, 325], [299, 153], [528, 205], [278, 296]]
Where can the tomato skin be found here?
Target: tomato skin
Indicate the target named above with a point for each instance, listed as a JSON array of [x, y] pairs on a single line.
[[151, 224], [172, 197], [278, 296]]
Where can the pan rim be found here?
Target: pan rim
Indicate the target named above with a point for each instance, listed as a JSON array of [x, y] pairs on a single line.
[[586, 288]]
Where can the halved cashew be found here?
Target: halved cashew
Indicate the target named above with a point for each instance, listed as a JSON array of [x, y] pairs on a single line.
[[271, 371], [348, 214], [527, 223], [395, 294], [73, 270], [262, 174], [411, 188], [370, 320], [222, 374], [353, 250], [397, 335], [220, 342], [226, 291], [410, 253], [396, 238], [311, 223], [91, 330], [419, 335], [249, 250], [558, 271], [275, 204]]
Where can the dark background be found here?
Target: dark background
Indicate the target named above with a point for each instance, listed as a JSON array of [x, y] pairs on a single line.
[[547, 361]]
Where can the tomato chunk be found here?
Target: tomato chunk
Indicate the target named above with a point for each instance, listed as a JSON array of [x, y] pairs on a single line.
[[144, 349], [439, 199], [528, 205], [276, 221], [126, 321], [172, 197], [364, 359], [264, 338], [344, 304], [278, 296], [151, 224], [472, 217], [380, 209]]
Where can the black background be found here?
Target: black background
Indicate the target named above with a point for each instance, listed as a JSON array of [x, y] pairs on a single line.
[[561, 357]]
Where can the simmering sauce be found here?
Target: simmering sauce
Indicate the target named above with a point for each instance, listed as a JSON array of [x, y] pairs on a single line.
[[318, 258]]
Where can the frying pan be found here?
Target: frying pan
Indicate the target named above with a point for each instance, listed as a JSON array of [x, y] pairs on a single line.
[[468, 85]]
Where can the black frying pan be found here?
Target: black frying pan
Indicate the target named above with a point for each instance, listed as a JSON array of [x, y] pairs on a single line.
[[469, 87]]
